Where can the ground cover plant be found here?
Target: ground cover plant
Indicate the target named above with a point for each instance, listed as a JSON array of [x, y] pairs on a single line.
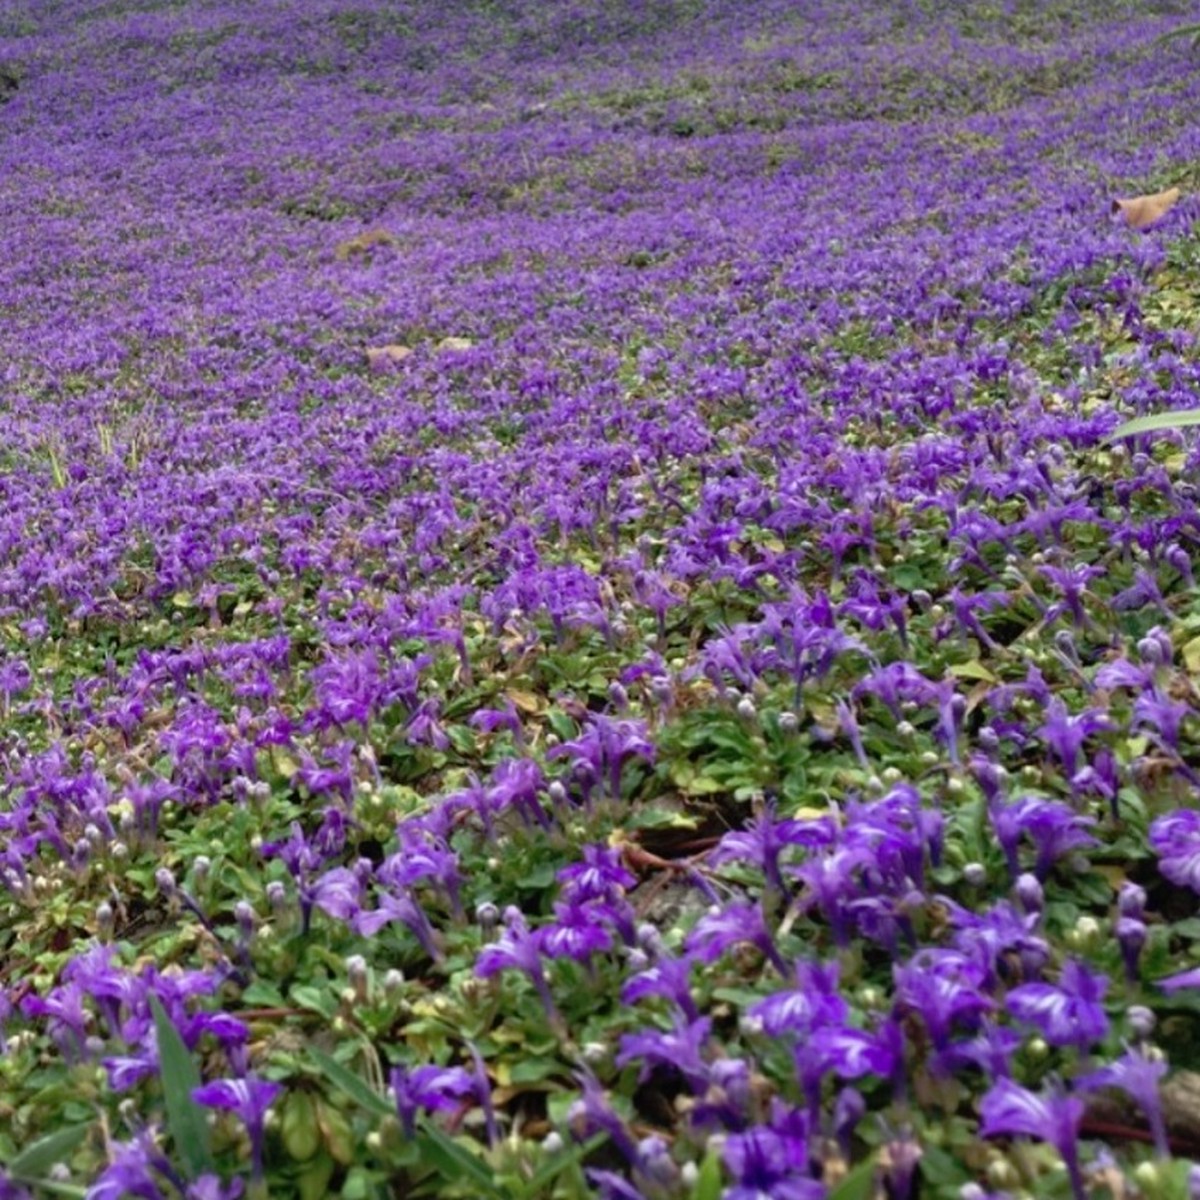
[[578, 618]]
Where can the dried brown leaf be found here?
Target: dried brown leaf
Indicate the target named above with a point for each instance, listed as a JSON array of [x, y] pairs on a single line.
[[1142, 211], [380, 357]]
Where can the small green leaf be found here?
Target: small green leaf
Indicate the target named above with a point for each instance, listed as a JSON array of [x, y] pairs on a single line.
[[973, 670], [1175, 419], [357, 1088], [35, 1160], [315, 999], [180, 1077], [859, 1184]]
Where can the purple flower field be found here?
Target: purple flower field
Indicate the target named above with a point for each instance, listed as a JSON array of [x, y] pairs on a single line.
[[572, 622]]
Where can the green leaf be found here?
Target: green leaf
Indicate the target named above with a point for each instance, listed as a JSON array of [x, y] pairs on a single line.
[[859, 1184], [1175, 419], [1184, 31], [261, 994], [357, 1088], [73, 1191], [455, 1162], [34, 1161], [315, 999], [973, 670], [180, 1077], [940, 1168], [548, 1172], [708, 1182]]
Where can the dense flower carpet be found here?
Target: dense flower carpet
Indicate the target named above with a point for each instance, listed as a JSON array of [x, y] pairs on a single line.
[[572, 620]]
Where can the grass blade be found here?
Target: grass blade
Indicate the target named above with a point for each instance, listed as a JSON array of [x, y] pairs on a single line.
[[37, 1159], [454, 1162], [180, 1077], [357, 1088], [1176, 419], [859, 1184]]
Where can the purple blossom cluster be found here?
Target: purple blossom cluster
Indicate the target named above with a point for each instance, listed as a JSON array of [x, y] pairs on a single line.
[[567, 561]]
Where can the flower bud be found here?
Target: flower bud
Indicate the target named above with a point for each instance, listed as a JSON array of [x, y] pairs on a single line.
[[1029, 893], [1141, 1021], [1131, 900], [246, 918], [360, 977]]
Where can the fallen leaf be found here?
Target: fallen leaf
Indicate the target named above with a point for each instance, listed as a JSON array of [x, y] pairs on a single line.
[[1142, 211], [455, 343], [383, 356], [363, 243], [527, 702]]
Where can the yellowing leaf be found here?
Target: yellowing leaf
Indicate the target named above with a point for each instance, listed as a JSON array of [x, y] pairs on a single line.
[[283, 762], [1140, 212], [972, 670], [1191, 655], [455, 343], [527, 702]]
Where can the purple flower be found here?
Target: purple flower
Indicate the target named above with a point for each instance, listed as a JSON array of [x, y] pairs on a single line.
[[434, 1089], [732, 925], [518, 949], [1175, 838], [576, 932], [135, 1168], [1183, 979], [767, 1165], [811, 1004], [669, 978], [248, 1099], [592, 1113], [997, 935], [1009, 1109], [1065, 734], [1069, 1014], [210, 1187], [1054, 828], [402, 907], [680, 1048], [1139, 1077], [990, 1051], [945, 989], [604, 747], [600, 875]]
